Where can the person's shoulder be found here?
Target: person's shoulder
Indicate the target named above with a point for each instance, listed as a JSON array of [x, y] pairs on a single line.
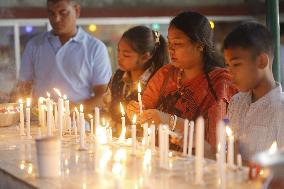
[[166, 69], [91, 40], [39, 39]]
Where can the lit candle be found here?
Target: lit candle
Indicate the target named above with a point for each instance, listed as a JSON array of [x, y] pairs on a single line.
[[43, 114], [66, 112], [133, 134], [82, 131], [97, 117], [22, 119], [123, 128], [49, 115], [199, 150], [273, 148], [153, 140], [92, 126], [161, 144], [28, 118], [166, 146], [221, 141], [140, 99], [55, 115], [230, 155], [190, 141], [185, 136], [60, 113]]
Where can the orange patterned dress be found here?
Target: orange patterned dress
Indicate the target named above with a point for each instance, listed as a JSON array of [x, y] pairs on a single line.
[[191, 98]]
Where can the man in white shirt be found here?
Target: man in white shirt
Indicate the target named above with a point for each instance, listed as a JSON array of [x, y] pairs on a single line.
[[256, 112]]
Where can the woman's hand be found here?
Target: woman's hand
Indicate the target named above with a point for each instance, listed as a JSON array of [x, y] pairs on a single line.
[[154, 115], [132, 108]]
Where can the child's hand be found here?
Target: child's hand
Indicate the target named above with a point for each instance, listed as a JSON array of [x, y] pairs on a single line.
[[154, 115], [132, 108]]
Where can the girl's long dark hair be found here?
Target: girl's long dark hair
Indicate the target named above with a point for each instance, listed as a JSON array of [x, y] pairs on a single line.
[[197, 27], [143, 39]]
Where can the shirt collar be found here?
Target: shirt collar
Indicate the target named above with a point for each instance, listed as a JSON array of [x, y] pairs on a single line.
[[77, 38], [143, 79], [272, 97]]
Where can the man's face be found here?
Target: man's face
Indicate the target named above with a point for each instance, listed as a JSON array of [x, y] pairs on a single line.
[[62, 16], [243, 67]]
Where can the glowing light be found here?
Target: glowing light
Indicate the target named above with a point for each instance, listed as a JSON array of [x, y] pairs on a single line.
[[117, 169], [120, 155], [156, 26], [30, 169], [170, 154], [76, 109], [57, 91], [212, 24], [92, 27], [28, 29], [66, 162], [64, 97], [273, 148], [134, 119], [229, 131], [28, 102], [139, 87], [122, 110], [90, 116], [48, 95], [67, 171], [21, 101], [219, 147], [84, 186], [81, 108]]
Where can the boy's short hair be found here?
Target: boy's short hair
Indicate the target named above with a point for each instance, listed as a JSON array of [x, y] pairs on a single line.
[[252, 36]]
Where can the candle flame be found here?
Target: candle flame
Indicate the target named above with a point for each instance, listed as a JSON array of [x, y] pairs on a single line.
[[21, 101], [122, 110], [120, 155], [229, 131], [40, 100], [76, 109], [117, 169], [134, 119], [170, 154], [261, 172], [90, 116], [57, 91], [104, 121], [48, 95], [139, 87], [81, 108], [28, 102], [219, 147], [64, 97], [273, 148]]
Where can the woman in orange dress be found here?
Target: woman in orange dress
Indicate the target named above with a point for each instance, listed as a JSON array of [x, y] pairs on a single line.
[[193, 85]]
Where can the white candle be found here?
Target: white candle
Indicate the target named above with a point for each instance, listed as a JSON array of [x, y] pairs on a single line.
[[78, 118], [140, 99], [145, 134], [82, 131], [49, 115], [133, 135], [22, 119], [153, 139], [239, 161], [123, 128], [230, 155], [75, 130], [55, 115], [166, 146], [40, 101], [161, 145], [28, 119], [66, 104], [69, 122], [221, 152], [190, 141], [92, 126], [199, 142], [43, 116], [97, 117], [185, 136], [60, 112]]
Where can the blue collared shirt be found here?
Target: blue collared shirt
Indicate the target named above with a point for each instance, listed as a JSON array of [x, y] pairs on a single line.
[[74, 68]]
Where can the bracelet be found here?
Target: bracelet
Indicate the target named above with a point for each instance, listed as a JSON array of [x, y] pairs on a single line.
[[173, 122]]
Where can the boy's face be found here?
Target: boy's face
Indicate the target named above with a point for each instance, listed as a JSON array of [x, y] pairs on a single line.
[[244, 68]]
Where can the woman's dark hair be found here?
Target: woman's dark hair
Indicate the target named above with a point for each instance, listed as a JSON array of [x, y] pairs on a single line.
[[143, 39], [198, 29], [251, 36]]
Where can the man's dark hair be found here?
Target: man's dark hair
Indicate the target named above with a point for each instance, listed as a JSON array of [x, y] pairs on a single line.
[[56, 1], [252, 36]]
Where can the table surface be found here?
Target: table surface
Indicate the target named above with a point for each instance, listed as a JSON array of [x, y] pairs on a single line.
[[79, 169]]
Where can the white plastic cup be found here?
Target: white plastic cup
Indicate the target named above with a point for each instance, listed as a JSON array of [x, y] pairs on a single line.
[[48, 151]]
